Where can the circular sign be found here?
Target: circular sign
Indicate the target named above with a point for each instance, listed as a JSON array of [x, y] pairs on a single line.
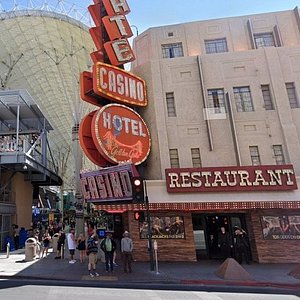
[[87, 143], [120, 134]]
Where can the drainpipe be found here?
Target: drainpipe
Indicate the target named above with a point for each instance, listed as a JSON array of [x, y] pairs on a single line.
[[207, 122], [233, 131]]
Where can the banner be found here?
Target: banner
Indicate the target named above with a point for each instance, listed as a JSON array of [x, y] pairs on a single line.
[[281, 227], [169, 227]]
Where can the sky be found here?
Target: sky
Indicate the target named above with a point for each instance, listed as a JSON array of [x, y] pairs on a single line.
[[153, 13]]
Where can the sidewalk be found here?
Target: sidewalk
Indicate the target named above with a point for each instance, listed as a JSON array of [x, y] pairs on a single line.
[[202, 272]]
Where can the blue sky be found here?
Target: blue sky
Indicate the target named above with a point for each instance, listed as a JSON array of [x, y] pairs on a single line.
[[151, 13]]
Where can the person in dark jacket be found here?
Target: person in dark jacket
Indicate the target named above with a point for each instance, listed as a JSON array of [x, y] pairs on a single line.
[[108, 246], [92, 252], [60, 244], [225, 243], [241, 245]]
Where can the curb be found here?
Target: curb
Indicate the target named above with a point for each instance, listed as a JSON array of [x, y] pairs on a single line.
[[242, 283], [182, 282]]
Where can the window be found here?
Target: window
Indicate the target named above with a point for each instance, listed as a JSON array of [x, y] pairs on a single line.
[[278, 154], [291, 91], [171, 104], [267, 97], [196, 160], [216, 100], [243, 100], [254, 154], [216, 46], [174, 159], [264, 40], [172, 50]]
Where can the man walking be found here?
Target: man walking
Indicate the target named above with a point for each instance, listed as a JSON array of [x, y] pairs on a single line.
[[126, 249], [71, 245]]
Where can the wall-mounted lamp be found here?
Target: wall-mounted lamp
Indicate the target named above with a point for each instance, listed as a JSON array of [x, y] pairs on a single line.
[[137, 30]]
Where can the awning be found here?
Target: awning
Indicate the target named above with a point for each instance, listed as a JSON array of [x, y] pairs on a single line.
[[203, 206]]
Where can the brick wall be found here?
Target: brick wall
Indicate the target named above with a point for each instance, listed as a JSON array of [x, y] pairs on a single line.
[[273, 251], [168, 249]]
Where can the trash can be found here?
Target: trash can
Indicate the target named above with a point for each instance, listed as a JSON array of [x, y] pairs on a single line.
[[30, 249], [54, 241]]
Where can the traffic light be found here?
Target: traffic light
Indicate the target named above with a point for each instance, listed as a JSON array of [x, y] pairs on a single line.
[[137, 190], [139, 216]]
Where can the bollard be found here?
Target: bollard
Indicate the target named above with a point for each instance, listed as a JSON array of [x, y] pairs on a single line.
[[156, 258], [7, 249]]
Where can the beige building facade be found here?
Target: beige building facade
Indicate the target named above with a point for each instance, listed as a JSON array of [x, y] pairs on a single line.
[[224, 93]]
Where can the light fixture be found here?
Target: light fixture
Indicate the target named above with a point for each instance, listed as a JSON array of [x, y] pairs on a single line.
[[137, 30]]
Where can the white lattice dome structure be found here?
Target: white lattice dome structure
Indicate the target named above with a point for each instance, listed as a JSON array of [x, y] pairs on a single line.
[[44, 52]]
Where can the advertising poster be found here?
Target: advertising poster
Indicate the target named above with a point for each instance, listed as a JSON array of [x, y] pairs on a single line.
[[281, 227], [169, 227]]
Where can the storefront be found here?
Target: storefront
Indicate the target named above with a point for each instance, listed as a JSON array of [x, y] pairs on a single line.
[[186, 224]]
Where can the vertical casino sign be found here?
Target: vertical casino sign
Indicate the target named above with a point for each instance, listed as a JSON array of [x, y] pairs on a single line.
[[114, 133]]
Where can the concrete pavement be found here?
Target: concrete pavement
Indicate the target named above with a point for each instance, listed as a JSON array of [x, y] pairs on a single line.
[[182, 273]]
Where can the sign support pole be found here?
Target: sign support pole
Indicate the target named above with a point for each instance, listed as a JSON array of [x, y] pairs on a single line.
[[150, 244]]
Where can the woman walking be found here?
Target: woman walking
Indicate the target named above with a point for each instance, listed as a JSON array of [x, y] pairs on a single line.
[[81, 247], [46, 242]]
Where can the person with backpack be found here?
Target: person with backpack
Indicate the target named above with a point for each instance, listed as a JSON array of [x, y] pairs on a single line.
[[92, 252]]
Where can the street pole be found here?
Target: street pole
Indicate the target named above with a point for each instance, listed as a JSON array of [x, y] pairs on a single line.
[[150, 245]]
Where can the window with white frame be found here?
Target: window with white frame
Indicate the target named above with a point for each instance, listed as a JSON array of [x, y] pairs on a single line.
[[170, 99], [196, 159], [264, 40], [172, 50], [291, 91], [268, 103], [174, 159], [243, 99], [216, 100], [254, 154], [278, 154], [216, 46]]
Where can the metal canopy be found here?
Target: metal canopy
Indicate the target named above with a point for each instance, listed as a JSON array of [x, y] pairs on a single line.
[[23, 139], [30, 115]]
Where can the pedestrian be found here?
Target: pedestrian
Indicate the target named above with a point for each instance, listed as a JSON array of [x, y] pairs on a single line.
[[16, 236], [46, 243], [81, 247], [60, 244], [92, 252], [71, 245], [108, 246], [38, 244], [126, 249], [225, 243], [241, 245]]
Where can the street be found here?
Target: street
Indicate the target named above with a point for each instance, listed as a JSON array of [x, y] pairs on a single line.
[[14, 289]]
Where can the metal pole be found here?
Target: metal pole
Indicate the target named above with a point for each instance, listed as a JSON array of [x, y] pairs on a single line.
[[7, 249], [150, 245], [156, 257]]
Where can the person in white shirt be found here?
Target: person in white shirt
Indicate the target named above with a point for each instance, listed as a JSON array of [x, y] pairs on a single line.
[[126, 248], [71, 245]]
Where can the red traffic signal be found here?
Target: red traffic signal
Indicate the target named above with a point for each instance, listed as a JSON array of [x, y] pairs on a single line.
[[139, 216]]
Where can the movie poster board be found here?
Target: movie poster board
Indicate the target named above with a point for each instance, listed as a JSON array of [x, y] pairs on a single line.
[[163, 227], [281, 227]]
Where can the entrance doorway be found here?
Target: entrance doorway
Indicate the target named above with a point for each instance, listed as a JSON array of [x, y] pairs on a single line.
[[206, 228]]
